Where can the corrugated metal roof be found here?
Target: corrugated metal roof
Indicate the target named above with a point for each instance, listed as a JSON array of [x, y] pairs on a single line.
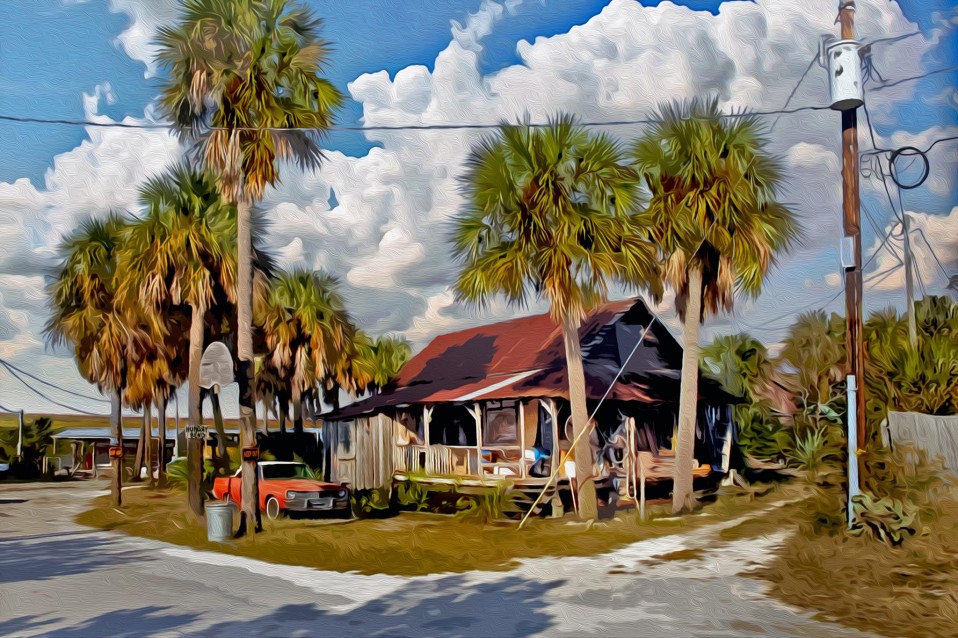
[[525, 357]]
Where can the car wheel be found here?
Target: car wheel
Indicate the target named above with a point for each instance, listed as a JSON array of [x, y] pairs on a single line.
[[272, 508]]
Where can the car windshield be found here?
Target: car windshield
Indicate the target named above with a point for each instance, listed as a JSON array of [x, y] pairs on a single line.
[[286, 471]]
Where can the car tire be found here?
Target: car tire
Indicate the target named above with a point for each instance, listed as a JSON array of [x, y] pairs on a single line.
[[272, 508]]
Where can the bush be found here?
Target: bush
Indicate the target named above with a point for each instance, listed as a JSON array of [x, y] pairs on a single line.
[[176, 473], [372, 503], [813, 451], [888, 520]]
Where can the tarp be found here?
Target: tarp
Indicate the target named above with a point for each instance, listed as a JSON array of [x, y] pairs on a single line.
[[937, 435]]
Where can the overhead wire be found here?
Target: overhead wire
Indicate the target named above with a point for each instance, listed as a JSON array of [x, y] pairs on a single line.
[[48, 399], [398, 127], [53, 385]]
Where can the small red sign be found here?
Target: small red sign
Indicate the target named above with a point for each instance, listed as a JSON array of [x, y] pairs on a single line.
[[116, 453], [250, 453]]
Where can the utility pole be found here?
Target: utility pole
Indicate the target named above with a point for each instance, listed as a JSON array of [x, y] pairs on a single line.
[[909, 284], [851, 214], [20, 434]]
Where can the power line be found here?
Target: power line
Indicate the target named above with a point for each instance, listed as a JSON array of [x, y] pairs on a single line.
[[8, 410], [403, 127], [879, 151], [888, 85], [52, 385], [795, 90], [896, 38], [933, 254], [46, 398]]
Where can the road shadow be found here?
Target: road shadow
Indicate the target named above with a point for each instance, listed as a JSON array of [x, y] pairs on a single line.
[[449, 607], [29, 559]]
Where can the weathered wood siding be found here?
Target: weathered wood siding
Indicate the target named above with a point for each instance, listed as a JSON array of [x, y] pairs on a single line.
[[363, 452]]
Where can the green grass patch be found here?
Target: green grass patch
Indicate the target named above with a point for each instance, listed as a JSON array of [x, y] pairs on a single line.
[[409, 544]]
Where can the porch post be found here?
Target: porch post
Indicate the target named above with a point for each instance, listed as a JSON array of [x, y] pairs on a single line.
[[426, 418], [522, 439], [477, 415], [554, 416]]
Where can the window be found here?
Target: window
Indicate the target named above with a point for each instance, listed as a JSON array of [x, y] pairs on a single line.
[[500, 423], [345, 440], [452, 425], [411, 419]]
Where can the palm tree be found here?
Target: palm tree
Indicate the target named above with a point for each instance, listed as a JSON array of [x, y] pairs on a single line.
[[714, 215], [307, 330], [181, 253], [743, 367], [553, 213], [243, 85], [378, 362], [85, 314]]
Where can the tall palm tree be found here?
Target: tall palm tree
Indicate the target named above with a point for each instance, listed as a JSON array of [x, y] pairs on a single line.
[[85, 314], [181, 253], [553, 213], [243, 84], [715, 216], [307, 331]]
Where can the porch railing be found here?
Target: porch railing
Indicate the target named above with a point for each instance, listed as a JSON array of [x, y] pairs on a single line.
[[437, 460]]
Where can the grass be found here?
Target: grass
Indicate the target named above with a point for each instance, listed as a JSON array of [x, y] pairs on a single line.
[[910, 591], [408, 544]]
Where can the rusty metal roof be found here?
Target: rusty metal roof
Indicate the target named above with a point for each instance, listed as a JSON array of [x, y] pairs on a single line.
[[525, 357]]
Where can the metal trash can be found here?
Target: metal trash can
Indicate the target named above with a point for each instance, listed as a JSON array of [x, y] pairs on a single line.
[[219, 521]]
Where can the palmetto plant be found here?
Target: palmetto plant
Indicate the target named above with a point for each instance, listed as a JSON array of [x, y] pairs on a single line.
[[307, 331], [715, 216], [86, 314], [243, 86], [553, 213]]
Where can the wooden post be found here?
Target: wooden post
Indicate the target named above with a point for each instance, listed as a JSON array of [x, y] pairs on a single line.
[[477, 414], [522, 438], [645, 461], [426, 418], [20, 434], [851, 216], [909, 285]]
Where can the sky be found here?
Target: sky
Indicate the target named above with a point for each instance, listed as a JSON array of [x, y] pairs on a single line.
[[376, 213]]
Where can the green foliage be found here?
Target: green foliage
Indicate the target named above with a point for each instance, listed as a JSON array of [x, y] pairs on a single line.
[[550, 212], [488, 504], [742, 365], [372, 503], [177, 474], [908, 474], [886, 519], [714, 205], [37, 437], [922, 379], [412, 494], [812, 451]]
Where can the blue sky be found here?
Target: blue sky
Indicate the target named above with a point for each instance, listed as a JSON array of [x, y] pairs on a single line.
[[86, 58]]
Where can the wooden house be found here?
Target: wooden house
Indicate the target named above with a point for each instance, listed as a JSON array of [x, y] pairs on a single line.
[[491, 402]]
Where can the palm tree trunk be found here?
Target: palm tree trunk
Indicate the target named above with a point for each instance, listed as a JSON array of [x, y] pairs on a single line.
[[297, 409], [161, 452], [116, 425], [194, 447], [148, 442], [585, 482], [283, 413], [218, 422], [682, 495], [138, 459], [249, 515]]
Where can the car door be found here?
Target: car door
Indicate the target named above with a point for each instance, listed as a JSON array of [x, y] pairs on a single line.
[[236, 486]]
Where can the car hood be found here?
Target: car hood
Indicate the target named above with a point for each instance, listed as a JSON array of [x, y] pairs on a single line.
[[301, 485]]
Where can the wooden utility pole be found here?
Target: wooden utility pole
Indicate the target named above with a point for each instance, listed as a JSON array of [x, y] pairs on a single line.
[[851, 208], [909, 284]]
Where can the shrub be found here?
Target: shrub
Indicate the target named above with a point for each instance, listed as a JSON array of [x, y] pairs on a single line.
[[887, 519]]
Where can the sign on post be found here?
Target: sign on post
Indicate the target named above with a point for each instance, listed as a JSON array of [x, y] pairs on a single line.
[[196, 431], [216, 366], [116, 453], [250, 453]]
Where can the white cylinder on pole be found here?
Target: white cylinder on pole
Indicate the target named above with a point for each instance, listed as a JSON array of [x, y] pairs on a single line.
[[845, 74], [853, 487]]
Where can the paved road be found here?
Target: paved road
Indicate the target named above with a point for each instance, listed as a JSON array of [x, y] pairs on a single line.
[[59, 579]]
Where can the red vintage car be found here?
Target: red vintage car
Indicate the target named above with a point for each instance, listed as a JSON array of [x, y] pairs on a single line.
[[286, 487]]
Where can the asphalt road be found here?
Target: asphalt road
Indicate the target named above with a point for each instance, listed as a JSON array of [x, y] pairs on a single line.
[[59, 579]]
